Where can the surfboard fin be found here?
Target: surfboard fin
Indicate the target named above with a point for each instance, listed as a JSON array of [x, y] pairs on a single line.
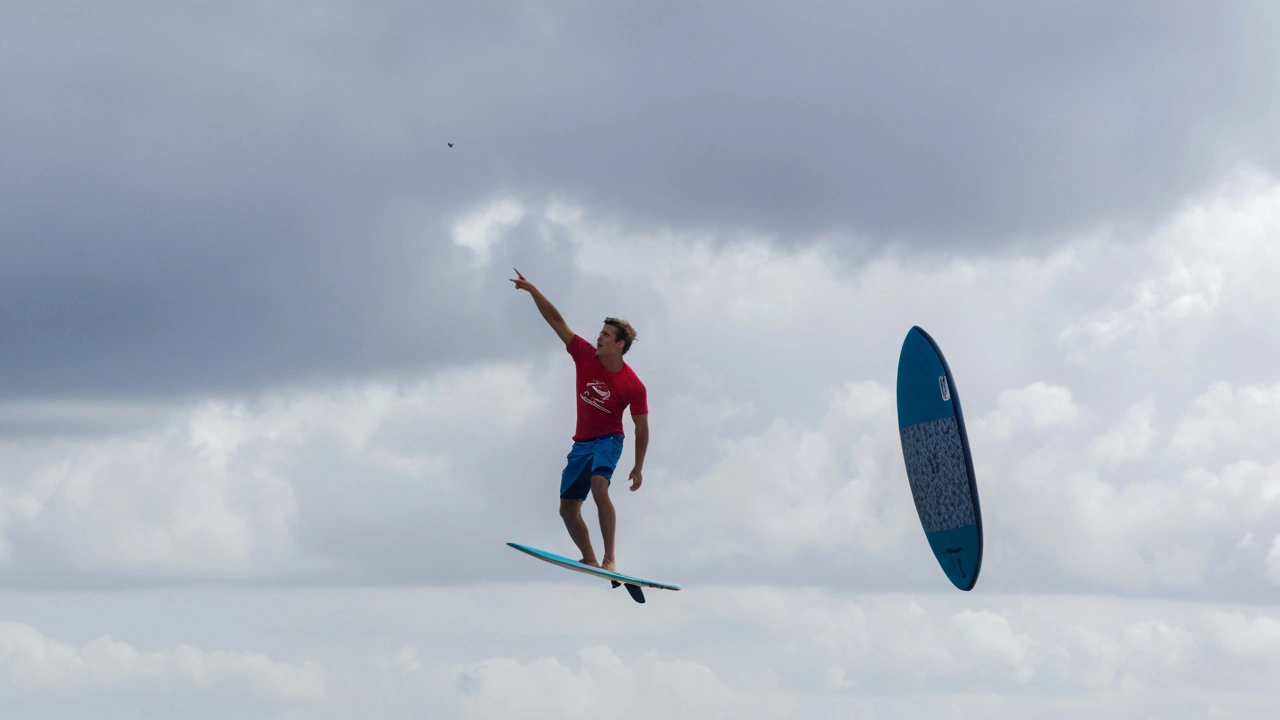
[[636, 593]]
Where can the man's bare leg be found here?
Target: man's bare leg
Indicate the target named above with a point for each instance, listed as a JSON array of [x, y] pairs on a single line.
[[608, 518], [571, 511]]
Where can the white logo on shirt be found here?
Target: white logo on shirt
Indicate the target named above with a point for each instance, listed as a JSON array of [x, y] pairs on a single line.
[[602, 393]]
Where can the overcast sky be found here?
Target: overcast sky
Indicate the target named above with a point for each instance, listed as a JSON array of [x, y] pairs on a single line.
[[270, 408]]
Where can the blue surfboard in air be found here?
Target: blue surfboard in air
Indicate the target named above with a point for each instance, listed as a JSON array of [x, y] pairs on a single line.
[[633, 583], [935, 448]]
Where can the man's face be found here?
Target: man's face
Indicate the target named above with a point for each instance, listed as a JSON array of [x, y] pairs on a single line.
[[606, 343]]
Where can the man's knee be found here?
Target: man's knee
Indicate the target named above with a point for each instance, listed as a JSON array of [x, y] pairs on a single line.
[[569, 509], [599, 487]]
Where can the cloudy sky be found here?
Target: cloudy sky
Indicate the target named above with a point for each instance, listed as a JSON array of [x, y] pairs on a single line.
[[270, 408]]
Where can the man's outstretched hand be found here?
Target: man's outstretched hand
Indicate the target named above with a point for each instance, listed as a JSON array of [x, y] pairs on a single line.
[[521, 283]]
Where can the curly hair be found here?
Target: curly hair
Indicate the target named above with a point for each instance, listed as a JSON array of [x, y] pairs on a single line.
[[623, 331]]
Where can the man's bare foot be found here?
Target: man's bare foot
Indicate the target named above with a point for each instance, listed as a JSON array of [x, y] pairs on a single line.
[[608, 564], [591, 562]]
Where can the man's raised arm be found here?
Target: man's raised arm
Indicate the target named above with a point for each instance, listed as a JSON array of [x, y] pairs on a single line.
[[549, 312]]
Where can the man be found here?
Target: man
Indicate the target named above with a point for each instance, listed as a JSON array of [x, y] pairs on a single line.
[[606, 386]]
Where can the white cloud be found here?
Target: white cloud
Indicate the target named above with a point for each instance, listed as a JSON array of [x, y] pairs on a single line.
[[769, 496], [893, 645], [545, 688], [1191, 287], [1136, 527], [1042, 645], [990, 636], [1136, 656], [1214, 259], [1273, 561], [41, 666], [1038, 406], [482, 229], [570, 647], [147, 502], [215, 491], [1244, 419], [1248, 639], [1130, 438], [406, 658]]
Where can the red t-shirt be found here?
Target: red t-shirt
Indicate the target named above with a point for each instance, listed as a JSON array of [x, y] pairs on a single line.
[[603, 395]]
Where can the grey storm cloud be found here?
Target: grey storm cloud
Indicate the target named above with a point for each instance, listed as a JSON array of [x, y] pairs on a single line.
[[213, 196]]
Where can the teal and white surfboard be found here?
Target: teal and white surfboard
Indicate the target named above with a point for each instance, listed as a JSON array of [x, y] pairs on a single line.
[[632, 583], [935, 448]]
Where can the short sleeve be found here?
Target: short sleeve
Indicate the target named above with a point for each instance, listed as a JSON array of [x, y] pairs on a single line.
[[580, 349], [639, 399]]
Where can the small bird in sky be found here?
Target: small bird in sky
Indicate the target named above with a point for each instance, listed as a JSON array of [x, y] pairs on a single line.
[[450, 144]]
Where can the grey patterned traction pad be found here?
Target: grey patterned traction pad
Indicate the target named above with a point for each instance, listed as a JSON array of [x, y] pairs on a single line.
[[938, 474]]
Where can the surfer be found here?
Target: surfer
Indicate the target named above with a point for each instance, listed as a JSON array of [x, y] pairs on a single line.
[[605, 386]]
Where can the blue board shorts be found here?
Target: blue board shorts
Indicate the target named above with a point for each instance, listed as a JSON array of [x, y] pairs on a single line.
[[598, 456]]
